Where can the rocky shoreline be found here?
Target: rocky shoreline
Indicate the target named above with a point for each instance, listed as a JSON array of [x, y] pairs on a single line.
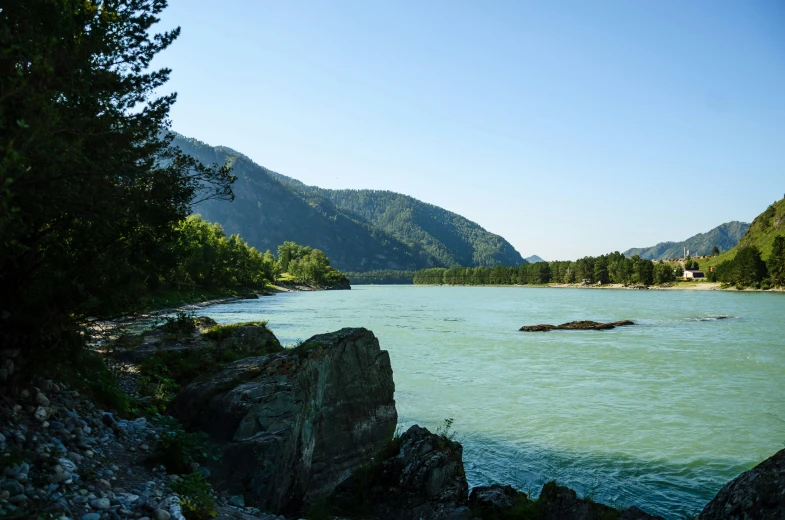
[[266, 432]]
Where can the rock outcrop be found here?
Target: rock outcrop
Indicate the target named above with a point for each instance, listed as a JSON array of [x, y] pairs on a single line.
[[577, 325], [755, 494], [422, 477], [496, 499], [295, 424]]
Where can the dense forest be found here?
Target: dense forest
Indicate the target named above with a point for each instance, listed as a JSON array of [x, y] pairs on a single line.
[[381, 277], [95, 200], [361, 230], [723, 238], [611, 268], [209, 259], [748, 269]]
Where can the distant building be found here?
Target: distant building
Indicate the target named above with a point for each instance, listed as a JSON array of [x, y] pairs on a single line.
[[694, 274]]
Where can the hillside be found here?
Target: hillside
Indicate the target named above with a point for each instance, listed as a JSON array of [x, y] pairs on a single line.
[[360, 230], [534, 259], [446, 236], [724, 236], [761, 233]]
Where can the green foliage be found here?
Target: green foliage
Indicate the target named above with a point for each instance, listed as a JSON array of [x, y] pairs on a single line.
[[163, 373], [221, 332], [91, 189], [179, 449], [208, 258], [309, 266], [776, 262], [381, 277], [432, 276], [196, 496], [611, 268], [663, 273], [180, 323], [690, 264], [746, 269], [715, 251], [446, 435]]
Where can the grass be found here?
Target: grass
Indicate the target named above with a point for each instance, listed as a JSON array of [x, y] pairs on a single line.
[[166, 371], [221, 332]]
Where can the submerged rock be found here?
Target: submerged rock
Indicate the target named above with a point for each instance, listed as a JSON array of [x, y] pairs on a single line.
[[755, 494], [577, 325], [295, 424]]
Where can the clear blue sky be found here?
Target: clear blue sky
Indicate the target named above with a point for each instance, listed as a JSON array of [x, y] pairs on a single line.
[[569, 128]]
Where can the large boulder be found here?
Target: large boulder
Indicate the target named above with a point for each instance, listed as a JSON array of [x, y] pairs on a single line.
[[421, 478], [293, 425], [755, 494]]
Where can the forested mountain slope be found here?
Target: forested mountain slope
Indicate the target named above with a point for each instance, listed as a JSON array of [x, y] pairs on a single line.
[[761, 234], [765, 227], [448, 237], [266, 213], [724, 237], [360, 230]]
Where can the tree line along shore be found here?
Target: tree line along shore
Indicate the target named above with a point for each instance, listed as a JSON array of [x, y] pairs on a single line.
[[746, 269]]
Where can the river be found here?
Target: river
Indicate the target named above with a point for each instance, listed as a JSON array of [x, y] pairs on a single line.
[[658, 415]]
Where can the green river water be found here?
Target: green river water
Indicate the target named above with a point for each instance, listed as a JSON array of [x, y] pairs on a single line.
[[659, 415]]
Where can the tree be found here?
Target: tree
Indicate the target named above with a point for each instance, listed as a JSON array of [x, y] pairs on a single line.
[[776, 262], [715, 251], [601, 270], [749, 266], [90, 188], [663, 273]]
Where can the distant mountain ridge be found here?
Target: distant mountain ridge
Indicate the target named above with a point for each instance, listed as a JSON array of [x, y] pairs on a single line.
[[724, 236], [534, 259], [359, 230]]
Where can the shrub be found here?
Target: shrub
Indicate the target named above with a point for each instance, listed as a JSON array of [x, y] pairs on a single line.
[[179, 449], [181, 323], [196, 496]]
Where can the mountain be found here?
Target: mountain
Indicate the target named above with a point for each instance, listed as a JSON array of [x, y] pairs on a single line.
[[765, 227], [724, 236], [534, 259], [449, 238], [359, 230], [761, 234]]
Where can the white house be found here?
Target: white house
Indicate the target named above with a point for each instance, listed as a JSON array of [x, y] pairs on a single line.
[[694, 274]]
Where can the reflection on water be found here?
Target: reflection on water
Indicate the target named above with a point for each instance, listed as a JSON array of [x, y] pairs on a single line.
[[659, 415]]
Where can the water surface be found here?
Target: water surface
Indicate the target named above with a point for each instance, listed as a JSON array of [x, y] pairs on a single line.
[[659, 415]]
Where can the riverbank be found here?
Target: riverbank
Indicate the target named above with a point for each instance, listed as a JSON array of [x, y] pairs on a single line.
[[69, 457], [672, 286]]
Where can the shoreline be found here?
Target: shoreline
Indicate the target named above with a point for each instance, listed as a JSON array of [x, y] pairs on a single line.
[[688, 286]]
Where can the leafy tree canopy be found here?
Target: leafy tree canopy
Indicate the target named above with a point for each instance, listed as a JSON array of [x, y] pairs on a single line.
[[91, 190]]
